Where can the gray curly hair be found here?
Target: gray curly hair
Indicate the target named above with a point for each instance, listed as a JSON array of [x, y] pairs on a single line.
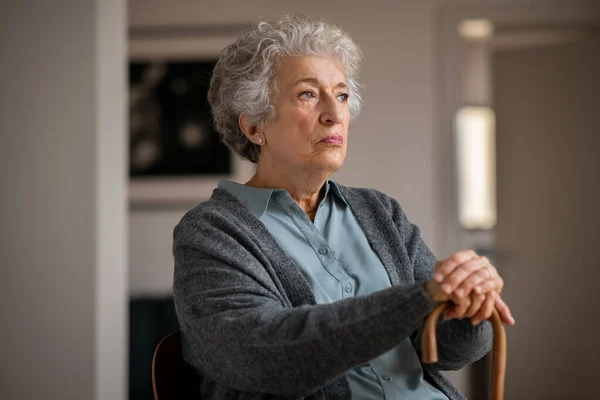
[[243, 78]]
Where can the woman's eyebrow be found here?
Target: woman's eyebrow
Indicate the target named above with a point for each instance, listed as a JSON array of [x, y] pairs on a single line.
[[315, 81], [309, 79]]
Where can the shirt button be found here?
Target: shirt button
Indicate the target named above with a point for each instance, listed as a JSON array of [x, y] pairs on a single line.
[[348, 288], [385, 377], [322, 251]]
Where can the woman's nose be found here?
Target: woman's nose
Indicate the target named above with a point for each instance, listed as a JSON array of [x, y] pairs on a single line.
[[333, 112]]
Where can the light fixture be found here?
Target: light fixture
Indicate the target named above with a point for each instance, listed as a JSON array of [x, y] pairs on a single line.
[[475, 29], [476, 167]]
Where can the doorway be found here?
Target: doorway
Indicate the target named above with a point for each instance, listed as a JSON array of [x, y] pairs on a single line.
[[546, 97]]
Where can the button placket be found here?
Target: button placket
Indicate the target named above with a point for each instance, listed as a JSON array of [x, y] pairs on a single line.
[[385, 379], [325, 254]]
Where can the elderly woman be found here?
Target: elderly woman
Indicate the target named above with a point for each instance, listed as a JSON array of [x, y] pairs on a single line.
[[293, 286]]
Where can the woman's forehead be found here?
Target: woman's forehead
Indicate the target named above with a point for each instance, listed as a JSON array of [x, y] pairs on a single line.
[[293, 71]]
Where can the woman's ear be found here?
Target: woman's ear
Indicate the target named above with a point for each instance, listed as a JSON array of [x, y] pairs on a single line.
[[248, 129]]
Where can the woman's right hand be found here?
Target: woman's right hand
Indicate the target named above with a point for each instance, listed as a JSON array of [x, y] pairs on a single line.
[[472, 284]]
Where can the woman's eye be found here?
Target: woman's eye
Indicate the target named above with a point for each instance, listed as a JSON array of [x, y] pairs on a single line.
[[343, 97], [307, 95]]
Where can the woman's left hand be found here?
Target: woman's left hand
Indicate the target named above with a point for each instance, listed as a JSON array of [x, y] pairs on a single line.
[[479, 307], [474, 286]]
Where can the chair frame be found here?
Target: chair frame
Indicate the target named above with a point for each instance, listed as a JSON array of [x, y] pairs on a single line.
[[172, 377]]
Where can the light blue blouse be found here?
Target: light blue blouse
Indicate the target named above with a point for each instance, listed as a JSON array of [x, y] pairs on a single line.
[[335, 257]]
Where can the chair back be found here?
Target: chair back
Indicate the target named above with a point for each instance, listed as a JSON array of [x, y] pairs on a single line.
[[173, 378]]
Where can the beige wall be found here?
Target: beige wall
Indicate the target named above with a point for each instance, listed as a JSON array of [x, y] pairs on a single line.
[[63, 214]]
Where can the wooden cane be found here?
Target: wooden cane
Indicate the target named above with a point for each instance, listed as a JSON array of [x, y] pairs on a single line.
[[429, 353]]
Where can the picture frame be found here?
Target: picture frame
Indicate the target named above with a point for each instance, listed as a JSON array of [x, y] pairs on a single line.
[[177, 45]]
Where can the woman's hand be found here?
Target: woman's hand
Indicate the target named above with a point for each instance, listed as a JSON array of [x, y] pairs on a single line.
[[464, 272], [472, 284], [479, 307]]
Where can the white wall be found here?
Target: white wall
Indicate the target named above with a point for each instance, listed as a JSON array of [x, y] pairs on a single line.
[[111, 293], [63, 214]]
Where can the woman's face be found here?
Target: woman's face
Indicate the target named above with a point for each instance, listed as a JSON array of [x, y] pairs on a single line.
[[310, 128]]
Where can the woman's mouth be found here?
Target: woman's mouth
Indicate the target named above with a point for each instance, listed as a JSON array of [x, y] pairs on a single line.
[[336, 140]]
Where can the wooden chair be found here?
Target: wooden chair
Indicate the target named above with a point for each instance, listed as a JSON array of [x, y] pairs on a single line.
[[173, 378]]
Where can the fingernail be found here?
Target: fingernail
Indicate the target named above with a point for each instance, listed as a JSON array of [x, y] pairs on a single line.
[[460, 292], [478, 289], [475, 322], [438, 277], [446, 288]]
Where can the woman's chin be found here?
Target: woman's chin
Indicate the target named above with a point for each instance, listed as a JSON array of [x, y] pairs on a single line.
[[330, 163]]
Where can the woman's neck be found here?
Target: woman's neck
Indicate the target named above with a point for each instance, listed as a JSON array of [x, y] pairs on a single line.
[[305, 187]]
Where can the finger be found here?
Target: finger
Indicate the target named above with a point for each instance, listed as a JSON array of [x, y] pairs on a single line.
[[503, 310], [462, 272], [486, 310], [449, 313], [461, 306], [494, 284], [475, 280], [441, 266], [463, 255], [445, 267], [477, 301]]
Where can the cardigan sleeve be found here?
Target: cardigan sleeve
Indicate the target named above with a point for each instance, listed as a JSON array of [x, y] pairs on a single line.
[[238, 332], [459, 342]]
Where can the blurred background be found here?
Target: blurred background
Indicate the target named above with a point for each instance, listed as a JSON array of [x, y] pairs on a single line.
[[481, 117]]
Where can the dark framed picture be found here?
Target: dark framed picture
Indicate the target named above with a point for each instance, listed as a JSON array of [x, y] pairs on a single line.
[[175, 155]]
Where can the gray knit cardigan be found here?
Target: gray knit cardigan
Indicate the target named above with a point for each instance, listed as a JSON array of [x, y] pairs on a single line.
[[250, 325]]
